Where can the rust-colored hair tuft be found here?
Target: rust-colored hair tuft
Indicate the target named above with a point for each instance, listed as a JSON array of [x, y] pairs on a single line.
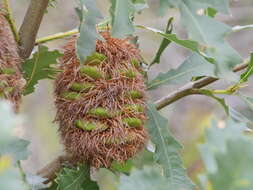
[[11, 81], [101, 103]]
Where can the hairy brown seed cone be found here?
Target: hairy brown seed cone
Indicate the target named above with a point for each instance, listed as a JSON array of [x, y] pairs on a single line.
[[117, 141], [10, 62]]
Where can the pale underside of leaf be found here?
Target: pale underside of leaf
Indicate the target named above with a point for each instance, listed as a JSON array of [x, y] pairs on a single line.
[[211, 34], [166, 151], [193, 66], [86, 43], [121, 11], [188, 44]]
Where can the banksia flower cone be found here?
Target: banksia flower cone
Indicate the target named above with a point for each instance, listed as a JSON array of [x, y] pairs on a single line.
[[100, 103], [11, 81]]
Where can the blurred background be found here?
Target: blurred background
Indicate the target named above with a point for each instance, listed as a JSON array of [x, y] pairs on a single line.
[[187, 117]]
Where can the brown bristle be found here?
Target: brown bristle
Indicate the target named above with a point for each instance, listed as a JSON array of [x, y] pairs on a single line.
[[110, 94], [11, 81]]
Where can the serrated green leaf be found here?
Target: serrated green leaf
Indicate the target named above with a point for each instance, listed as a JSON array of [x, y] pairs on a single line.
[[144, 158], [234, 167], [39, 67], [245, 76], [188, 44], [149, 178], [166, 153], [76, 179], [216, 139], [194, 65], [121, 11], [90, 185], [71, 179], [86, 43], [164, 44], [211, 34], [228, 155]]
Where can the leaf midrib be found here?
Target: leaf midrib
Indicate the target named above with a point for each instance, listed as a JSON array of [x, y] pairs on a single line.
[[195, 22], [68, 186], [164, 147], [171, 78], [34, 68]]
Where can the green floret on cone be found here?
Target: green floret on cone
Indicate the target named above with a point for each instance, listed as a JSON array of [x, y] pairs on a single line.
[[100, 112], [95, 59], [81, 87], [8, 71], [135, 108], [135, 94], [88, 126], [92, 72], [132, 122], [136, 63], [71, 95], [130, 74]]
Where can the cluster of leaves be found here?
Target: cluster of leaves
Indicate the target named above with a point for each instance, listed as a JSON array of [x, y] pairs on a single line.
[[39, 67], [226, 150], [210, 56], [227, 155]]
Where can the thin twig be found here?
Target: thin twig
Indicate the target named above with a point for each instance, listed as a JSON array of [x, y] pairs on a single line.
[[30, 26], [9, 16], [100, 27], [56, 36], [188, 89]]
